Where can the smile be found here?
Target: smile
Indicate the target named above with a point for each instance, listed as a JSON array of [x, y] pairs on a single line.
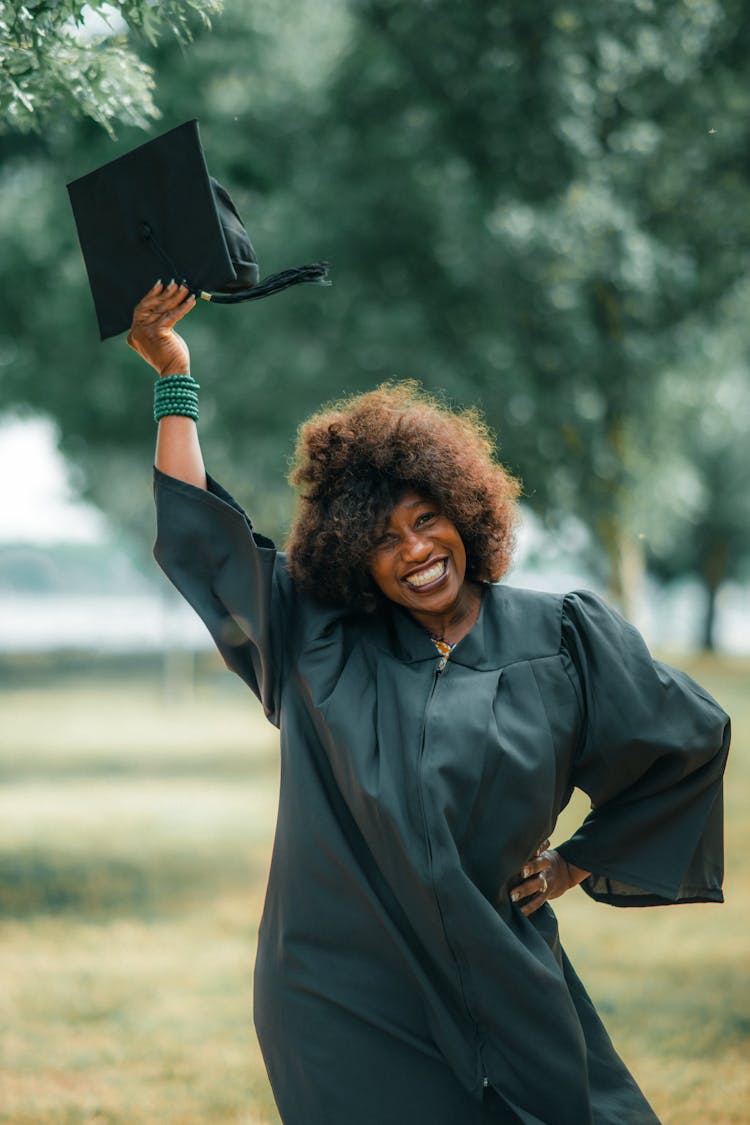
[[428, 576]]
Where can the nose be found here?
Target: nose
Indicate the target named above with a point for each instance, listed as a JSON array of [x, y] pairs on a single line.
[[415, 548]]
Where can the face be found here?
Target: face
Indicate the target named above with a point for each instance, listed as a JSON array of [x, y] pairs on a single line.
[[419, 561]]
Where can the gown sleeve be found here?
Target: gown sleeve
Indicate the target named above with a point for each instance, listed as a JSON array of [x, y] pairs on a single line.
[[651, 758], [231, 576]]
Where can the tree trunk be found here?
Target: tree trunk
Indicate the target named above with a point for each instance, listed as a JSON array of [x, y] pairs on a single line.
[[714, 570], [626, 567], [708, 640]]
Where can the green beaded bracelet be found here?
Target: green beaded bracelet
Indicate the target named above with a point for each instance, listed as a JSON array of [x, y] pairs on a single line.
[[176, 394]]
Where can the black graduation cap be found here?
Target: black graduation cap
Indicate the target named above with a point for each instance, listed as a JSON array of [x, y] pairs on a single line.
[[156, 212]]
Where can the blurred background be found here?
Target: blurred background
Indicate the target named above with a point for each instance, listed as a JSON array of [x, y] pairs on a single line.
[[541, 210]]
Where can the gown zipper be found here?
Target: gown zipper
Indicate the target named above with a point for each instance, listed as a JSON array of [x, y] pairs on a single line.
[[440, 667]]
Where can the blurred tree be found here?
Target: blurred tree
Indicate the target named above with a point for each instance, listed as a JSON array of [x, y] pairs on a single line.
[[697, 513], [555, 197], [522, 206], [253, 83], [71, 57]]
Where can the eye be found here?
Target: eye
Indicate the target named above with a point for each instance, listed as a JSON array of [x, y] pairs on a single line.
[[425, 517]]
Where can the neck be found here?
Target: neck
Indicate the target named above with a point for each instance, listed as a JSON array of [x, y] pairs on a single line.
[[454, 623]]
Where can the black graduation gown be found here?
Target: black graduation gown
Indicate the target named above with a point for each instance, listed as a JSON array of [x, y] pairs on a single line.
[[395, 982]]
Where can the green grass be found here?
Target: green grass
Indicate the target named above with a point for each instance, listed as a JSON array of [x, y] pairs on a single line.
[[134, 843]]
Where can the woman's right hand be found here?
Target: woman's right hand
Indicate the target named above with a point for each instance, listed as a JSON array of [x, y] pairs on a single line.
[[152, 333]]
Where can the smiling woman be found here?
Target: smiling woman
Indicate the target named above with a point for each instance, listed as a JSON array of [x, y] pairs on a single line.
[[433, 726], [355, 461], [419, 562]]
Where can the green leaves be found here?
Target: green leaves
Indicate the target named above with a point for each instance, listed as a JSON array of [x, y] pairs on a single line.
[[73, 59], [538, 208]]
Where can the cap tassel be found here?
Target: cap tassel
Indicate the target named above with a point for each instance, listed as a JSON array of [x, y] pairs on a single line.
[[314, 274]]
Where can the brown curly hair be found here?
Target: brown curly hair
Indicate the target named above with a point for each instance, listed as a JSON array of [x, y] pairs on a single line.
[[356, 458]]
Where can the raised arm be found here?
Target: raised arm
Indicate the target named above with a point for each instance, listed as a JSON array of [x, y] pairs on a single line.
[[153, 337]]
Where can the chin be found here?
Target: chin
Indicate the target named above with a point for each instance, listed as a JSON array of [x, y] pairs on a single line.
[[436, 601]]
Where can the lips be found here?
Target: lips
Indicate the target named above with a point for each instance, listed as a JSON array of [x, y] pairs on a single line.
[[427, 576]]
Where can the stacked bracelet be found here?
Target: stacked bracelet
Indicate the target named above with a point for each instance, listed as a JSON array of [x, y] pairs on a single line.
[[176, 394]]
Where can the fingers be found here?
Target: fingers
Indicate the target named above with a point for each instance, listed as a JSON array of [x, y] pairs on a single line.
[[536, 881], [161, 295], [539, 863], [536, 885], [163, 305], [155, 316], [546, 876], [152, 333], [184, 308], [153, 300], [173, 296], [532, 904]]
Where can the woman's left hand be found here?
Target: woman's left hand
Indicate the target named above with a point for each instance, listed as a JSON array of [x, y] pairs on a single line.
[[546, 875]]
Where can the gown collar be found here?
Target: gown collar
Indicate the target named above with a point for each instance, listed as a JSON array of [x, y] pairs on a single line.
[[414, 644]]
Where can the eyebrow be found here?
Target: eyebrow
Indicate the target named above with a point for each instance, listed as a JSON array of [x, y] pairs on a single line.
[[411, 505], [420, 500]]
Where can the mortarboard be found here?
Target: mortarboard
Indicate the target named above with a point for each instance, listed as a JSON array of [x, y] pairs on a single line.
[[156, 212]]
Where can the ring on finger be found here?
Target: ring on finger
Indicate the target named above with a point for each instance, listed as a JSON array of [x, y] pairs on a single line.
[[543, 877]]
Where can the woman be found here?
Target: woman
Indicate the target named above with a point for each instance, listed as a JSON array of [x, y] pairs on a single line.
[[433, 725]]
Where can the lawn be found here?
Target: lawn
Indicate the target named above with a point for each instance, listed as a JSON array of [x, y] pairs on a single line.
[[135, 833]]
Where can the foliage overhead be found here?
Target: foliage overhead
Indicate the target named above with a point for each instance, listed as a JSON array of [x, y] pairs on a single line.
[[62, 57], [534, 208]]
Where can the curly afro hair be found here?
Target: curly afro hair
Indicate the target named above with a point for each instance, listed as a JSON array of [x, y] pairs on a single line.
[[353, 462]]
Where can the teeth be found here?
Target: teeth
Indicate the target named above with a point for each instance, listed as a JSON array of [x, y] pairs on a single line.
[[426, 576]]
